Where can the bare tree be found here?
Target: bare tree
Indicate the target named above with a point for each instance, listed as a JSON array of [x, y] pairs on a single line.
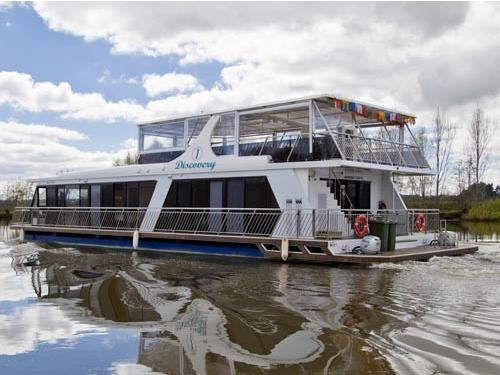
[[443, 133], [129, 159], [18, 193], [480, 132], [460, 175], [422, 140]]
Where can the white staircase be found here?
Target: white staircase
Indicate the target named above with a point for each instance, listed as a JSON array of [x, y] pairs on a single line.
[[333, 220]]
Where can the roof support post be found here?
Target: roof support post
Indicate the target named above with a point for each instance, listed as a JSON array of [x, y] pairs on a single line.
[[236, 133], [334, 136], [311, 126], [396, 146]]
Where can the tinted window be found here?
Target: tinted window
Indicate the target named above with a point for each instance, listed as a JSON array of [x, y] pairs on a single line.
[[42, 197], [51, 196], [146, 190], [183, 193], [107, 195], [236, 193], [119, 195], [132, 194], [84, 195], [95, 195], [199, 193], [61, 196], [72, 196]]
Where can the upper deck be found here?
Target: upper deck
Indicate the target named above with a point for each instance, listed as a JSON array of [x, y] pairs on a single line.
[[309, 129]]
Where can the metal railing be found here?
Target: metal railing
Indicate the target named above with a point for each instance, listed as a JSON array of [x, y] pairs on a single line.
[[277, 223], [372, 150]]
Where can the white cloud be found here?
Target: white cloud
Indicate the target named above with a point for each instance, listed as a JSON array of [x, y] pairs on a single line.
[[15, 132], [33, 150], [155, 84], [21, 92], [5, 5], [131, 369]]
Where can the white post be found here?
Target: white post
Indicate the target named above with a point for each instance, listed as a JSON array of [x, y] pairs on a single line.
[[284, 248], [311, 126], [236, 134], [135, 239], [21, 235]]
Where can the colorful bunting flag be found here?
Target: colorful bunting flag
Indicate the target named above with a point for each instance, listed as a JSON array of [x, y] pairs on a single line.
[[384, 116]]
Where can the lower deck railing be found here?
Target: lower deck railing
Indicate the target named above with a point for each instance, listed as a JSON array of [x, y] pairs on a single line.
[[293, 223]]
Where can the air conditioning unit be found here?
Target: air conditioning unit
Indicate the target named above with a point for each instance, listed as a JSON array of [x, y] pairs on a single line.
[[447, 238], [370, 245], [346, 129]]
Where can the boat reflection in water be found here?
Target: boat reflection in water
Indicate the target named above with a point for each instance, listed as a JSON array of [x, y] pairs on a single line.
[[207, 316]]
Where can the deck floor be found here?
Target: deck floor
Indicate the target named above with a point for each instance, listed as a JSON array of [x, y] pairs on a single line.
[[417, 253]]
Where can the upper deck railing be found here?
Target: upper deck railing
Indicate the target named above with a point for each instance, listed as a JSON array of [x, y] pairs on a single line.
[[378, 151], [276, 223]]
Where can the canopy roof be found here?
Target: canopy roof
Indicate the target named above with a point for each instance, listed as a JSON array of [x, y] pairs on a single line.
[[363, 113]]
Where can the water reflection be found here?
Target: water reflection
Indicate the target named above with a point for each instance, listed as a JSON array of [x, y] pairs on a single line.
[[204, 316], [136, 313]]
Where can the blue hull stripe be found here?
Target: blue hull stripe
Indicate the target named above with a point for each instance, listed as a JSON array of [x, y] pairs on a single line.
[[177, 246]]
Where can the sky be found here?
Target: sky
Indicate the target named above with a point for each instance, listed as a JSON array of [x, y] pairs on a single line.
[[76, 78]]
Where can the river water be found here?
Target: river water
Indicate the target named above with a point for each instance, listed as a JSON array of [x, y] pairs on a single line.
[[93, 312]]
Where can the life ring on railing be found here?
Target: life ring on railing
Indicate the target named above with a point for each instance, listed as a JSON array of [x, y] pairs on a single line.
[[361, 226], [420, 222]]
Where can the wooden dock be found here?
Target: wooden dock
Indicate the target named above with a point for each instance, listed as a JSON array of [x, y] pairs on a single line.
[[301, 250]]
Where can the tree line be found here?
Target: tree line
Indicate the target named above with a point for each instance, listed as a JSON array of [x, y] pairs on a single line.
[[460, 166]]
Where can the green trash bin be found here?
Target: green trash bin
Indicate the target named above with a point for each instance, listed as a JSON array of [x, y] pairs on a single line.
[[380, 228], [391, 245]]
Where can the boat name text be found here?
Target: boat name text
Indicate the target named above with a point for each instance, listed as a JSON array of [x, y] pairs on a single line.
[[195, 165]]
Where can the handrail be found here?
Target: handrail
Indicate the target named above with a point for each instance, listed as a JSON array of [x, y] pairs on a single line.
[[266, 222]]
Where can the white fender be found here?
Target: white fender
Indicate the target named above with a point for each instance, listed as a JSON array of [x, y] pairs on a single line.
[[135, 239], [284, 248]]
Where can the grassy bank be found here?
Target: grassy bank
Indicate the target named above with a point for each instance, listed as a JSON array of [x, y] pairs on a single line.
[[488, 210], [450, 207], [5, 213]]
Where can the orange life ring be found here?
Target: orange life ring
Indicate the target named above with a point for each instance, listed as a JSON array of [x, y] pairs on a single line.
[[361, 226], [420, 222]]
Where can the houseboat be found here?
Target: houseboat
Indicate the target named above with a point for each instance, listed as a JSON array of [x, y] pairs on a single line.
[[299, 179]]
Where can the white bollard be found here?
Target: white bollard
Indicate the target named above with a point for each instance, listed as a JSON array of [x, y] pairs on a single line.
[[284, 248], [21, 235], [135, 239]]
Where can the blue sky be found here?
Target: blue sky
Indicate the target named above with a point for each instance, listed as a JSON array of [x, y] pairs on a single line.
[[76, 78]]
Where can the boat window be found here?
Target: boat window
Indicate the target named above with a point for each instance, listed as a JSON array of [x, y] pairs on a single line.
[[146, 190], [42, 197], [195, 126], [162, 136], [236, 192], [61, 196], [252, 192], [72, 196], [132, 194], [107, 195], [119, 195], [51, 196], [95, 195], [184, 193], [84, 195], [223, 135], [199, 193]]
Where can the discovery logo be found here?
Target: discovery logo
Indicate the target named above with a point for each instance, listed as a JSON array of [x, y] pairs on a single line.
[[210, 165], [196, 155]]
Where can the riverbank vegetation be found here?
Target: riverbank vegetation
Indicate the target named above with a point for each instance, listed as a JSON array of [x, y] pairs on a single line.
[[488, 210], [457, 189]]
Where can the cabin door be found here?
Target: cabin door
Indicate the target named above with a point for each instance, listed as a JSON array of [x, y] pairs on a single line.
[[216, 201]]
